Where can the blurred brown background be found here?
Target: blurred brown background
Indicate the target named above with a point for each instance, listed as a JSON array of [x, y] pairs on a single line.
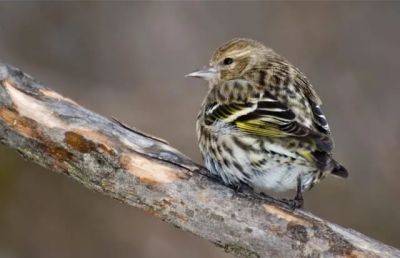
[[128, 60]]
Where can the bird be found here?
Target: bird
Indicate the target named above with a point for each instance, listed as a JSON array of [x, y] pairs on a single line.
[[261, 123]]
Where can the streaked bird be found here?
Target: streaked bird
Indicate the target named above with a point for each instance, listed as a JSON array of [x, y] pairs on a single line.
[[261, 123]]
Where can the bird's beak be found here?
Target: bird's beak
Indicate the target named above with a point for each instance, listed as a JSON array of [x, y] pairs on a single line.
[[207, 73]]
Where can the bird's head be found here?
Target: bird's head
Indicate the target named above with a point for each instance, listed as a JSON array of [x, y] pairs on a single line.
[[232, 60]]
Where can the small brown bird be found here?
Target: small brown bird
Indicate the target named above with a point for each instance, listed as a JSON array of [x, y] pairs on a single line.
[[261, 123]]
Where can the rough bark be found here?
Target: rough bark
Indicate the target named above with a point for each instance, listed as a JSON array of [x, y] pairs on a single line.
[[147, 173]]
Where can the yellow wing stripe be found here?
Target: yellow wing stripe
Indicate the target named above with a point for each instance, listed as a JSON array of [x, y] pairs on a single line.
[[257, 129]]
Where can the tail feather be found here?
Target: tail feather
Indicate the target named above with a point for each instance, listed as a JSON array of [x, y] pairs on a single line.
[[339, 170]]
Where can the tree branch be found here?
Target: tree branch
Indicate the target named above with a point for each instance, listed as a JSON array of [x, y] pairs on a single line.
[[147, 173]]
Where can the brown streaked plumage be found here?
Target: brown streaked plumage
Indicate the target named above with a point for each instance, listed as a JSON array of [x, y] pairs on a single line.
[[261, 123]]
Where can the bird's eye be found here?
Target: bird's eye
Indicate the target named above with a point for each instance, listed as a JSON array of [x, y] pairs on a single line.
[[227, 61]]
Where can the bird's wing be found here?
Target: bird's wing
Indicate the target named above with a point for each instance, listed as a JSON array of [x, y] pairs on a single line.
[[319, 120], [267, 117]]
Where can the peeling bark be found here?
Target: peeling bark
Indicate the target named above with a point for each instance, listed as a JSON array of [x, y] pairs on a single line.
[[145, 172]]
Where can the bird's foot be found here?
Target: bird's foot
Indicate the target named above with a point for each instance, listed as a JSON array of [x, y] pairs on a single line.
[[295, 203], [298, 201], [238, 188]]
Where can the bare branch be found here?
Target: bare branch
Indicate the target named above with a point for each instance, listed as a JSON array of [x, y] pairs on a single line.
[[145, 172]]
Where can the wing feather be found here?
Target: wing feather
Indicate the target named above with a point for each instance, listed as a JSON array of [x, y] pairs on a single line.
[[268, 117]]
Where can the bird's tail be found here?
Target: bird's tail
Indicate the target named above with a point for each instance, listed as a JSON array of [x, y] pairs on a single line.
[[339, 170]]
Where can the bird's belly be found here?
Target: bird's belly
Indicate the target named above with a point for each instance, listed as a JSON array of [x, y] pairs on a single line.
[[282, 177], [261, 164]]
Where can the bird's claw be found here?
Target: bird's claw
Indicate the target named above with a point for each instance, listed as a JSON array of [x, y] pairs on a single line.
[[295, 203]]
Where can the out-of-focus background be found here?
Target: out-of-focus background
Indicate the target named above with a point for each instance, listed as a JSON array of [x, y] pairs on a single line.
[[128, 60]]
